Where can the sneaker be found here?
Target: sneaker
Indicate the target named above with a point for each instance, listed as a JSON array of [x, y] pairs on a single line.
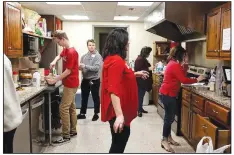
[[73, 135], [61, 141], [81, 116], [144, 111], [139, 114], [95, 117]]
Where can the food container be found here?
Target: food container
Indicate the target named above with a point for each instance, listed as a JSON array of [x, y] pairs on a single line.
[[15, 76]]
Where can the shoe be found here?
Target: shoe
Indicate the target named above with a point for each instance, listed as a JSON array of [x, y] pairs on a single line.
[[143, 111], [95, 117], [81, 116], [61, 141], [139, 114], [172, 142], [165, 145], [73, 135]]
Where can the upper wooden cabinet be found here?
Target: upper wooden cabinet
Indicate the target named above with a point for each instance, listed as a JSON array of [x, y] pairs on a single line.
[[53, 23], [218, 20], [12, 30]]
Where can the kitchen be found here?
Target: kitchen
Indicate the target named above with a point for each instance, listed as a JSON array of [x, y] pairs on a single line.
[[200, 112]]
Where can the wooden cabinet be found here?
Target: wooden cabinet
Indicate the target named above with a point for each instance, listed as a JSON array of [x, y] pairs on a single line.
[[218, 20], [204, 127], [225, 23], [213, 34], [201, 117], [185, 114], [12, 30], [155, 93], [218, 113]]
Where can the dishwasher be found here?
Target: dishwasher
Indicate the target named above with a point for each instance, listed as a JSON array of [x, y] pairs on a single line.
[[37, 137], [21, 143]]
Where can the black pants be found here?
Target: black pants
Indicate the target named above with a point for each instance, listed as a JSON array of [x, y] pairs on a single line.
[[170, 109], [141, 94], [85, 90], [119, 140], [8, 138]]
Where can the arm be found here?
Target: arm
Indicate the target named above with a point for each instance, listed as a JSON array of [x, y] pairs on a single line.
[[64, 74], [179, 73], [96, 66], [57, 58]]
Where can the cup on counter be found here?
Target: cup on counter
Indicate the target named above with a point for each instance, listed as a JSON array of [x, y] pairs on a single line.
[[212, 86]]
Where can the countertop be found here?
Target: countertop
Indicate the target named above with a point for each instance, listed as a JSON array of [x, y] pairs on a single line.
[[30, 92], [222, 100]]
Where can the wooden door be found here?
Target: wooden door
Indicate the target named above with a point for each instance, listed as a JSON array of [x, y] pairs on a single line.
[[213, 33], [225, 23], [185, 115], [12, 30], [102, 40]]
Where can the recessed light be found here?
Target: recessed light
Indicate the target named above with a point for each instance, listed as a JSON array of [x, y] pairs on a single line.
[[135, 3], [64, 3], [75, 17], [126, 18]]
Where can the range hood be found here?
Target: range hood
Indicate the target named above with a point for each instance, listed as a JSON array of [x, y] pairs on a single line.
[[179, 21]]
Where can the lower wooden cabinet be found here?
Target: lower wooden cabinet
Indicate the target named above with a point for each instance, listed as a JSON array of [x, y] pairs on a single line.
[[205, 127], [185, 115], [155, 93]]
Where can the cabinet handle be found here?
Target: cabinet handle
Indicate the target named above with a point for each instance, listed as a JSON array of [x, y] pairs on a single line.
[[9, 47], [204, 126], [215, 111], [196, 101]]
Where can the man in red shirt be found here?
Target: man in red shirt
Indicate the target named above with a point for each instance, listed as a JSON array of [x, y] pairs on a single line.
[[70, 78]]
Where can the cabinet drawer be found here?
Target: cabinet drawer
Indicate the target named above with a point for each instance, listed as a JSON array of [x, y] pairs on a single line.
[[205, 128], [217, 112], [198, 101], [186, 95]]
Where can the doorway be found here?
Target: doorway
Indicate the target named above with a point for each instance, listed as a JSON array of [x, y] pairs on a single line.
[[100, 34]]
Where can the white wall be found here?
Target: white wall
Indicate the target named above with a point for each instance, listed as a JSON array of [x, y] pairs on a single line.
[[79, 32]]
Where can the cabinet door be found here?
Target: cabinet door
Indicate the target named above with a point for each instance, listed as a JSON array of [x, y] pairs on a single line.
[[194, 140], [213, 33], [155, 94], [225, 23], [12, 29], [185, 119]]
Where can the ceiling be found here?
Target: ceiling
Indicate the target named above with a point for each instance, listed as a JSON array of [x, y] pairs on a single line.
[[96, 11]]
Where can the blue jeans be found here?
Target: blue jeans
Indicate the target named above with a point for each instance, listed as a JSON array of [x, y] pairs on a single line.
[[169, 106], [141, 94]]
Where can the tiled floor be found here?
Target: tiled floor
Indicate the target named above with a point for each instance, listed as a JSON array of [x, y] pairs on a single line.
[[94, 137]]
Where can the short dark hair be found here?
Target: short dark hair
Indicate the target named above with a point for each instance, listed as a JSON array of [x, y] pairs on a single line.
[[145, 51], [177, 53], [90, 40], [60, 34], [116, 43]]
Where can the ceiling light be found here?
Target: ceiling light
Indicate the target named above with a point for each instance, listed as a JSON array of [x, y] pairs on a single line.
[[135, 3], [64, 3], [125, 18], [75, 17]]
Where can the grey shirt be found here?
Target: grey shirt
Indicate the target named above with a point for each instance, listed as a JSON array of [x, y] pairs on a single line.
[[93, 63]]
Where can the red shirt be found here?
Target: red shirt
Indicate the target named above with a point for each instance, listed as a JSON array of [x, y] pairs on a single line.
[[119, 79], [70, 61], [174, 75]]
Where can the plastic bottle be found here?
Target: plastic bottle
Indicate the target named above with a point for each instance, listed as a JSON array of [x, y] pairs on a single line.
[[15, 77], [36, 79]]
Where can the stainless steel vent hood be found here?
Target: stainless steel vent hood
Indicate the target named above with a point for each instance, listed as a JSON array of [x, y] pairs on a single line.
[[179, 21]]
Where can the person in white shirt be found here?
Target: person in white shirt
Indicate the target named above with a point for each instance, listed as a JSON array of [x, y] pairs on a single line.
[[12, 109]]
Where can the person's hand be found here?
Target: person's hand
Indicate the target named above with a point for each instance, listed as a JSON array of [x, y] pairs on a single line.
[[52, 64], [143, 74], [119, 124], [51, 81], [82, 65], [200, 78]]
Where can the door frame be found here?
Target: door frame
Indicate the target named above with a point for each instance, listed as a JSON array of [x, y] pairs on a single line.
[[119, 25]]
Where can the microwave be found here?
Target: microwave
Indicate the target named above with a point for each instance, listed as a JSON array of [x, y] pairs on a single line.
[[30, 45]]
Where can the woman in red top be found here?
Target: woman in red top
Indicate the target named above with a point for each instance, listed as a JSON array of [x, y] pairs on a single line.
[[173, 77], [119, 100]]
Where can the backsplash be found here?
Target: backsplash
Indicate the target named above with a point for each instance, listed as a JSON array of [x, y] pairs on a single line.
[[197, 55]]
